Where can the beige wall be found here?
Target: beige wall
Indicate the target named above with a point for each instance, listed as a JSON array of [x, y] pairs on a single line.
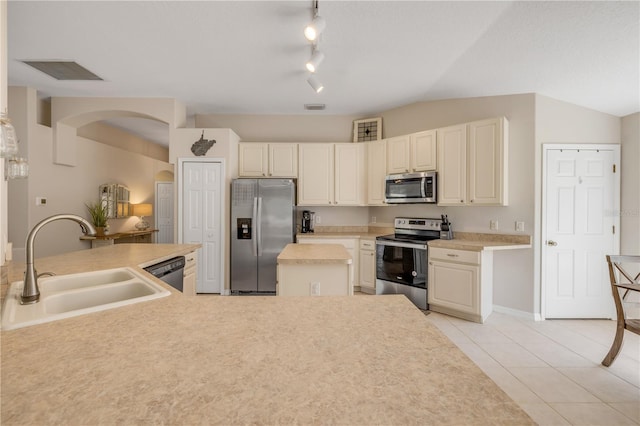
[[513, 270], [283, 128], [115, 137], [562, 122], [67, 189], [226, 148], [630, 191]]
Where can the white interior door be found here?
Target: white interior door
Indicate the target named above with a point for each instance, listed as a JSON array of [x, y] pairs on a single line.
[[202, 191], [164, 212], [580, 228]]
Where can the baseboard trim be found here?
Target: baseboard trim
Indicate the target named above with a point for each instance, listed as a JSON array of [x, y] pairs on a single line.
[[517, 313]]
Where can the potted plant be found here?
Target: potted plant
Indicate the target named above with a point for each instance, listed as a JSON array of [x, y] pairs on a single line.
[[99, 216]]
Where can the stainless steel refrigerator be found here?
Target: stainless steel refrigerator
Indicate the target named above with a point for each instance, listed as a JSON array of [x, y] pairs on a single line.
[[262, 224]]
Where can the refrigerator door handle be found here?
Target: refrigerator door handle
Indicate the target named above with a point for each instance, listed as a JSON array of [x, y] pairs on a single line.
[[259, 227], [256, 221]]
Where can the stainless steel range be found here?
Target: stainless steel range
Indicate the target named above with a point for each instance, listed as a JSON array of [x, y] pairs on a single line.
[[401, 258]]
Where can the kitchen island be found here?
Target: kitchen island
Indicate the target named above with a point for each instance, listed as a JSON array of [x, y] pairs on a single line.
[[314, 270], [231, 360]]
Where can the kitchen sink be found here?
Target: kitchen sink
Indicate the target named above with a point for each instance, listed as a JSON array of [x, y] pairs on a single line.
[[67, 296]]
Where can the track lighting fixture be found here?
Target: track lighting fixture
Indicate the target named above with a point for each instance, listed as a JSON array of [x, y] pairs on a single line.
[[315, 84], [315, 28], [316, 58]]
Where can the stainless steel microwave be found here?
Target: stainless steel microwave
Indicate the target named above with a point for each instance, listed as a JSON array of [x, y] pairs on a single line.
[[411, 188]]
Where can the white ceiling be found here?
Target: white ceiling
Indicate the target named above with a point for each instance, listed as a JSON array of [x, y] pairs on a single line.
[[241, 57]]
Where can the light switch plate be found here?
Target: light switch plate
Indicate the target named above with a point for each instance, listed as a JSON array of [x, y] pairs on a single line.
[[493, 225], [520, 226]]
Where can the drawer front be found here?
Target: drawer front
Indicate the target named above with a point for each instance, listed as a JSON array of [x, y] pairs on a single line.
[[367, 245], [451, 255]]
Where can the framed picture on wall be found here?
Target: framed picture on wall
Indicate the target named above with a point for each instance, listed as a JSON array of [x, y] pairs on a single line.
[[369, 129]]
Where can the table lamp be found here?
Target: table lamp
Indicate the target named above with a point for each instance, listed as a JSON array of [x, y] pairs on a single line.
[[142, 210]]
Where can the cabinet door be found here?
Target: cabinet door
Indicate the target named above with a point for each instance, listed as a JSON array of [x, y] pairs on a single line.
[[423, 151], [398, 154], [350, 183], [452, 165], [253, 159], [454, 286], [487, 162], [315, 182], [283, 160], [368, 269], [376, 169]]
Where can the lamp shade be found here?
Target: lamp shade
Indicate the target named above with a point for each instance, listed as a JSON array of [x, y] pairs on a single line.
[[142, 209]]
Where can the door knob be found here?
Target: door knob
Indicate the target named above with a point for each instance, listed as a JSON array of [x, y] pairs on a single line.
[[551, 243]]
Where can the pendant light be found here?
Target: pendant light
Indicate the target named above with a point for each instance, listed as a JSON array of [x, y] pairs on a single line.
[[316, 59], [315, 83]]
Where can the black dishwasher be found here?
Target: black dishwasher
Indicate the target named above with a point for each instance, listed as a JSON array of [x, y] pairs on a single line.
[[170, 271]]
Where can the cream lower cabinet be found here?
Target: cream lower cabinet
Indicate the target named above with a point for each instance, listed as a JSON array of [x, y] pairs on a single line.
[[472, 163], [460, 283], [189, 274], [351, 244], [368, 266], [268, 160]]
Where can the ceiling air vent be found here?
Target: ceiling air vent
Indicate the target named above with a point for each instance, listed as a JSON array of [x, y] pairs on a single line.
[[314, 107], [63, 70]]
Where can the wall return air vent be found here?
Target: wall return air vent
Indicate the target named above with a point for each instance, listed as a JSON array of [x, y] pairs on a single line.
[[314, 107]]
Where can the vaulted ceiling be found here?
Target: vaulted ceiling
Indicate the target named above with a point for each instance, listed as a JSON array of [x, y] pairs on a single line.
[[244, 57]]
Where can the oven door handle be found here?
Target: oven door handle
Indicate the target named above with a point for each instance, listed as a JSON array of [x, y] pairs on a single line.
[[404, 245]]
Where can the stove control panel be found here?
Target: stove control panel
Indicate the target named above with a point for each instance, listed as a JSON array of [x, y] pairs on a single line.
[[426, 224]]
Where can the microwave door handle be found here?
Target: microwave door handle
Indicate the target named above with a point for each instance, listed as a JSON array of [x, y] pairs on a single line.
[[423, 187]]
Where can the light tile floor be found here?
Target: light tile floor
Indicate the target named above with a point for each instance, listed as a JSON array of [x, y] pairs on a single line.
[[552, 368]]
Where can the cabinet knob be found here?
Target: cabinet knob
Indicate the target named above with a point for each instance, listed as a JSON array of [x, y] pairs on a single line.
[[263, 174], [551, 243], [462, 201], [471, 201]]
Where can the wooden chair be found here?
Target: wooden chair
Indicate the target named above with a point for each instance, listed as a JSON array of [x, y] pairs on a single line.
[[622, 280]]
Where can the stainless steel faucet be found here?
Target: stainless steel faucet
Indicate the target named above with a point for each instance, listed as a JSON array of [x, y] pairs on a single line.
[[30, 292]]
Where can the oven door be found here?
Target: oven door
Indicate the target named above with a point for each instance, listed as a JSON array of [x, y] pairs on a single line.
[[402, 263]]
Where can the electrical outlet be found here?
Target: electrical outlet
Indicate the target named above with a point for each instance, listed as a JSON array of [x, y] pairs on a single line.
[[493, 225], [315, 288], [41, 201], [373, 219], [520, 226], [318, 219]]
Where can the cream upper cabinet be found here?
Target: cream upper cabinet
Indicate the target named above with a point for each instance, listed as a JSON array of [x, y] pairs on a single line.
[[423, 151], [253, 159], [488, 161], [472, 163], [398, 154], [350, 171], [315, 183], [268, 159], [452, 165], [283, 160], [332, 174], [376, 171], [412, 153]]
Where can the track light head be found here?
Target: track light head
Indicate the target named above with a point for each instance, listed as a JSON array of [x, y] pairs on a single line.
[[315, 84], [315, 28], [316, 59]]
